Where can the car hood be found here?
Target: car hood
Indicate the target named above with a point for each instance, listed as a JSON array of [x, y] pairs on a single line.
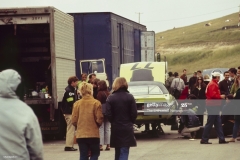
[[153, 98]]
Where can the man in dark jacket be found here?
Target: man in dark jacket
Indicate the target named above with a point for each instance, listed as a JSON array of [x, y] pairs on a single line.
[[121, 111], [232, 75], [69, 98], [224, 85], [213, 105], [184, 76], [192, 82]]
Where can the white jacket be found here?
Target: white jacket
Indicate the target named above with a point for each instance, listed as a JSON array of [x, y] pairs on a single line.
[[20, 135]]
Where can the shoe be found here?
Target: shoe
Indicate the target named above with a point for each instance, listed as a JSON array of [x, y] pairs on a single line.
[[101, 149], [238, 139], [223, 142], [107, 148], [232, 140], [205, 142], [69, 149]]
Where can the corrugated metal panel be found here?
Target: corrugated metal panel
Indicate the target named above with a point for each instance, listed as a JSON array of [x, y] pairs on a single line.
[[64, 35], [64, 50], [148, 46], [93, 38], [115, 49], [64, 69], [137, 46], [128, 43]]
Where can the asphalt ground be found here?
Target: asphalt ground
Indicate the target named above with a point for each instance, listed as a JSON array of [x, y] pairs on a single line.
[[170, 146]]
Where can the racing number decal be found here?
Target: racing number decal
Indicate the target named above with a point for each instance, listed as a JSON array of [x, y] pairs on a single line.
[[146, 66]]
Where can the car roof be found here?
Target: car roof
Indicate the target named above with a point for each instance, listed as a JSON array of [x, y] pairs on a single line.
[[137, 83]]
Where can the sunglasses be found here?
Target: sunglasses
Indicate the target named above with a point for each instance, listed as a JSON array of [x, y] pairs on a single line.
[[199, 79]]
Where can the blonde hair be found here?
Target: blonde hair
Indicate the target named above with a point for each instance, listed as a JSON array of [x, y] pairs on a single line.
[[85, 89], [236, 80], [206, 76], [119, 82]]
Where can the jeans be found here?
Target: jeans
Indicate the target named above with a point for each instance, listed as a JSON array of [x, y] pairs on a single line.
[[83, 149], [213, 119], [235, 129], [105, 132], [121, 153]]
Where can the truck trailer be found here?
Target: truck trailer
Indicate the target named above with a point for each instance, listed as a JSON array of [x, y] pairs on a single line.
[[109, 39], [39, 44], [47, 46]]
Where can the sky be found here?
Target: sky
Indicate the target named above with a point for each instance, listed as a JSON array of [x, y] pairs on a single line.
[[156, 15]]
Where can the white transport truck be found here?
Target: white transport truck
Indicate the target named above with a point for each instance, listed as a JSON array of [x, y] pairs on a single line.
[[39, 44]]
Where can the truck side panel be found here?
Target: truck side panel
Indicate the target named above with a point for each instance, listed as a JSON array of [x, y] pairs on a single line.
[[92, 38], [63, 58]]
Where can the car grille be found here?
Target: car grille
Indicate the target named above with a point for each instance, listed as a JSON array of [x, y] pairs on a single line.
[[140, 106]]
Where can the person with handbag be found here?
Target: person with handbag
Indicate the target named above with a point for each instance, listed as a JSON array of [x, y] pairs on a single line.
[[121, 111], [104, 129], [177, 86]]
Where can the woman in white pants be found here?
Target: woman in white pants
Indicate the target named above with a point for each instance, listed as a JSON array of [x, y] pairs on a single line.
[[104, 130]]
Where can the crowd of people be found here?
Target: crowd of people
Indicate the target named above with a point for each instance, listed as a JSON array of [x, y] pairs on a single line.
[[212, 96], [97, 117]]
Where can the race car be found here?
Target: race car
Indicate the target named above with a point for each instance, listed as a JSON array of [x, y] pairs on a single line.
[[155, 104]]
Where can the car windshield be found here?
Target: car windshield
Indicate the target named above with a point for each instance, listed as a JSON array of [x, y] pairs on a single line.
[[144, 89]]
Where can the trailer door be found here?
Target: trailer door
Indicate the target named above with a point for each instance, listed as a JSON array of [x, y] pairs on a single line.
[[148, 46]]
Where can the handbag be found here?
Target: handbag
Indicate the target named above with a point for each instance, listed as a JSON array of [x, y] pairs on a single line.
[[104, 106]]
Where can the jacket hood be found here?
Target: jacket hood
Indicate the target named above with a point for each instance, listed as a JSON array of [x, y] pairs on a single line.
[[9, 81]]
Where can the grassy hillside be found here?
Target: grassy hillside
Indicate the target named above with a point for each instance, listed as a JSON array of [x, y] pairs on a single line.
[[199, 47]]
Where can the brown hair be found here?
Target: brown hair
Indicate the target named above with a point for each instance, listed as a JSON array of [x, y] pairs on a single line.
[[85, 89], [102, 85], [202, 83], [72, 79], [236, 83], [119, 82], [95, 81]]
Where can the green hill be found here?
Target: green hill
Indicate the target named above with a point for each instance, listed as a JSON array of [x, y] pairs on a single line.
[[198, 47]]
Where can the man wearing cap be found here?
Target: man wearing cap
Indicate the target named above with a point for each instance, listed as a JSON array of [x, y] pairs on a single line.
[[213, 105]]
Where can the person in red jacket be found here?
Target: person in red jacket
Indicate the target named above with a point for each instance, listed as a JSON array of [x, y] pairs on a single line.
[[213, 106]]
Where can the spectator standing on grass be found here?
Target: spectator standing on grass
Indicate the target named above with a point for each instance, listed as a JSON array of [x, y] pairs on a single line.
[[184, 76], [213, 105], [20, 134]]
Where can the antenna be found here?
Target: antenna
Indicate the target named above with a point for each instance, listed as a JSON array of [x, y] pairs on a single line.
[[139, 16]]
